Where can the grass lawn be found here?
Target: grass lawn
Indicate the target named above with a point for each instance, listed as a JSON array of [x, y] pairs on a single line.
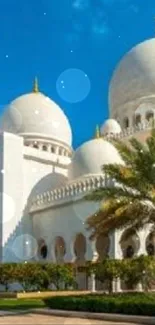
[[20, 304]]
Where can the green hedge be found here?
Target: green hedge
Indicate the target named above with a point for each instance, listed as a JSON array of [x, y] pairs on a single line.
[[34, 276], [132, 304], [37, 276]]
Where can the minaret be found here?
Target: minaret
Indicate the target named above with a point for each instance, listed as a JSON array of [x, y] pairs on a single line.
[[36, 86]]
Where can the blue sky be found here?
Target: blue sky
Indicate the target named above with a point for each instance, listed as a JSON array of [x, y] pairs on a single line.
[[73, 47]]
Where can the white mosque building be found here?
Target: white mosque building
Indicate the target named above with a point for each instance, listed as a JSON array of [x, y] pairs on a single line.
[[43, 180]]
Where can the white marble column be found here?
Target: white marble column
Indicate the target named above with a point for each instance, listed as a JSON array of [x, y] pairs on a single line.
[[62, 152], [115, 250], [92, 256], [57, 150], [49, 147], [51, 246], [70, 256], [92, 283], [139, 287], [143, 234], [116, 285], [40, 145], [91, 253]]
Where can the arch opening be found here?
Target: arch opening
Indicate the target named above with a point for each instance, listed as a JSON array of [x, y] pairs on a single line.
[[35, 145], [137, 119], [52, 149], [126, 123], [149, 116], [44, 147], [129, 243], [80, 248], [42, 249], [150, 244]]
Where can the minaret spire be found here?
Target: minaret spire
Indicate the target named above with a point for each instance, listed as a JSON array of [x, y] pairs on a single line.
[[97, 132], [36, 85]]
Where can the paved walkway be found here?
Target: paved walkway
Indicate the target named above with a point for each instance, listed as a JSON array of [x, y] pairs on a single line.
[[32, 319], [29, 319]]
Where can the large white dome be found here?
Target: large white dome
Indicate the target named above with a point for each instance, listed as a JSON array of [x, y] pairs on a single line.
[[133, 81], [35, 114], [91, 156]]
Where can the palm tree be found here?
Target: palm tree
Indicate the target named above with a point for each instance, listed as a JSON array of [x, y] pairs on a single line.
[[130, 202]]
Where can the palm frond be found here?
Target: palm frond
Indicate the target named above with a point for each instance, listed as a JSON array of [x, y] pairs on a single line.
[[117, 215], [126, 152], [96, 195], [127, 176], [137, 146], [130, 202]]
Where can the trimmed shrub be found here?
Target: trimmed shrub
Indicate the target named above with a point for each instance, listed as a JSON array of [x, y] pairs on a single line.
[[37, 276], [7, 274], [132, 304], [32, 277], [138, 270], [61, 276], [107, 271]]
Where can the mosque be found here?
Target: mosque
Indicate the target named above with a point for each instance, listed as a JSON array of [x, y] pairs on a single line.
[[44, 181]]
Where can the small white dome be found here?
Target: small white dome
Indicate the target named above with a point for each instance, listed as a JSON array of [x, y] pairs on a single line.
[[48, 183], [91, 156], [110, 126], [35, 114]]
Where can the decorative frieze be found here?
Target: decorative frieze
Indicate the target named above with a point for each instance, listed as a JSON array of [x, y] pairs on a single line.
[[131, 131], [72, 189], [87, 183], [48, 147]]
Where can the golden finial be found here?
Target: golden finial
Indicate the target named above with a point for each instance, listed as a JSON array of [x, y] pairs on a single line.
[[97, 133], [36, 86]]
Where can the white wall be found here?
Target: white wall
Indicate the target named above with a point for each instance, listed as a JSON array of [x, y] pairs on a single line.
[[11, 191], [66, 221], [38, 177], [21, 178]]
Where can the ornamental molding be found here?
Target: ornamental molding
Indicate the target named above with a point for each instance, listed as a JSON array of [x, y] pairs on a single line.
[[68, 193], [77, 189], [131, 131], [45, 138], [46, 157]]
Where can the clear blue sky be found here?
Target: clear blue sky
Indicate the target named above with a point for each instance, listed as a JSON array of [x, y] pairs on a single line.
[[73, 47]]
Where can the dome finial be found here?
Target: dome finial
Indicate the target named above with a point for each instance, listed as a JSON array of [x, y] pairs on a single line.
[[97, 132], [36, 86]]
